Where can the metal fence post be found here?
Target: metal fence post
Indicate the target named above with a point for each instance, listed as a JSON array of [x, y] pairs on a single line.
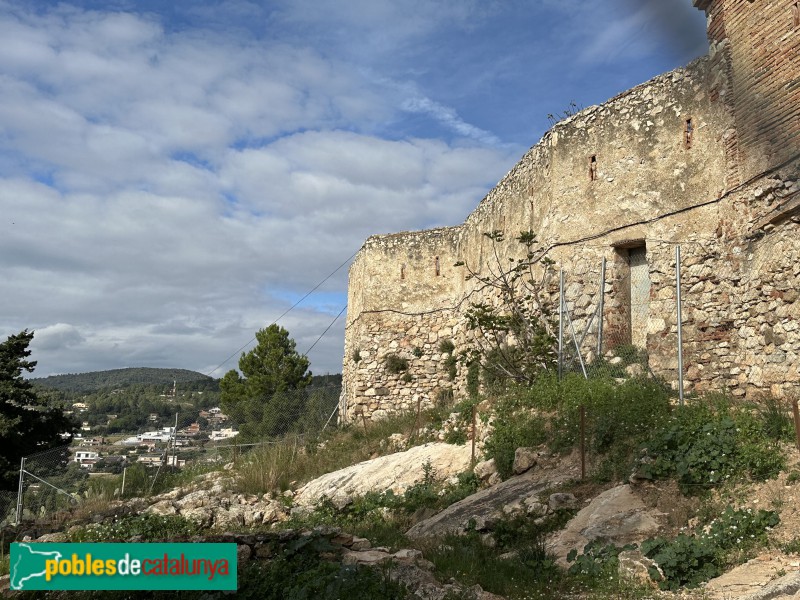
[[600, 310], [18, 517], [680, 321], [583, 442], [560, 323]]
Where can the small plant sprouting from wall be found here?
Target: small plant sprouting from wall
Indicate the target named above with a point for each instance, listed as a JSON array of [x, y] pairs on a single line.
[[395, 364], [356, 355], [444, 397], [446, 346], [417, 352], [450, 363], [407, 378], [571, 110]]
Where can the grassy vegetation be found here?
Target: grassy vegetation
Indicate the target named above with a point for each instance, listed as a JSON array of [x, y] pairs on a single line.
[[618, 418], [145, 528], [711, 441], [383, 517], [633, 426], [277, 466]]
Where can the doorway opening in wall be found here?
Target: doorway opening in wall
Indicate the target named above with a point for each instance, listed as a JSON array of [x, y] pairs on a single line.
[[633, 291]]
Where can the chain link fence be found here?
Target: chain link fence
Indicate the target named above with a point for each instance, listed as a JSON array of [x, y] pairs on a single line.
[[603, 318], [146, 462]]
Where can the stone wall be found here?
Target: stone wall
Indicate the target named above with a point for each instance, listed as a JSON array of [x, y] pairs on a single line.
[[669, 162]]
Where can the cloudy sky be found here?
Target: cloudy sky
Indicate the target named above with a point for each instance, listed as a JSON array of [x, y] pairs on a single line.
[[176, 175]]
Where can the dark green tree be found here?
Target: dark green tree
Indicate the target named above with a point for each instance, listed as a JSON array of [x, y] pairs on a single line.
[[267, 397], [27, 423]]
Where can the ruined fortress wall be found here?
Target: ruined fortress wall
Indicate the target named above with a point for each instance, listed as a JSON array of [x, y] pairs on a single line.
[[403, 302], [661, 164]]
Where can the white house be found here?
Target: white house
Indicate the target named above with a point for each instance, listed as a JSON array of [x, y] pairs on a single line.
[[86, 458]]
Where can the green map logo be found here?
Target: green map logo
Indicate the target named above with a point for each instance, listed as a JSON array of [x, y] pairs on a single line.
[[94, 566]]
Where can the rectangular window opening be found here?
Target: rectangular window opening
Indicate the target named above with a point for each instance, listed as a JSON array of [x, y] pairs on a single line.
[[438, 269], [627, 321], [687, 134], [593, 167]]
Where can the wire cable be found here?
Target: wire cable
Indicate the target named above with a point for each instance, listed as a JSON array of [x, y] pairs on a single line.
[[326, 330], [286, 312]]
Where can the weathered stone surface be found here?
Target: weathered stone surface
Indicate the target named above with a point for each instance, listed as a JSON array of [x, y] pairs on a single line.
[[524, 459], [616, 516], [704, 156], [758, 579], [485, 469], [562, 500], [484, 506], [395, 472], [634, 565], [365, 557]]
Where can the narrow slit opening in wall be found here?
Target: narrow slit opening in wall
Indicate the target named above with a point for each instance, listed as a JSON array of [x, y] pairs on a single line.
[[437, 266], [403, 271], [687, 133], [796, 14], [593, 167]]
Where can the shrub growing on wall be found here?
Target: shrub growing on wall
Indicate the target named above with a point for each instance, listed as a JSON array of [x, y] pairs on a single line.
[[395, 364], [513, 330]]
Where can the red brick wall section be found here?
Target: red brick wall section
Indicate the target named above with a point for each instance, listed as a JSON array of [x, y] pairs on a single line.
[[761, 41]]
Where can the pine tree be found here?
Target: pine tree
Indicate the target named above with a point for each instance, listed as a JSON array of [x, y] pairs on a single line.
[[27, 424], [268, 398]]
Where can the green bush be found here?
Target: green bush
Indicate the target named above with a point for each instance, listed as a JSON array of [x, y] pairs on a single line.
[[299, 574], [446, 346], [597, 559], [775, 417], [618, 418], [147, 527], [463, 423], [511, 432], [689, 560], [710, 441]]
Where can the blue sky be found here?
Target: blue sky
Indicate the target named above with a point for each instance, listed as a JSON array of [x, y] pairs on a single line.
[[175, 175]]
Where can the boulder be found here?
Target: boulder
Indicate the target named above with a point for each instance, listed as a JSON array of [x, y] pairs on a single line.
[[616, 516], [524, 460], [561, 500], [635, 565], [396, 472], [485, 469], [482, 508], [758, 579]]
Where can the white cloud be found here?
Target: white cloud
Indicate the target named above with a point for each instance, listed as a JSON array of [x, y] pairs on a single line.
[[60, 336], [170, 186]]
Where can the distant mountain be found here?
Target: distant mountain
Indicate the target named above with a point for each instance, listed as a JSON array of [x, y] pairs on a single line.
[[87, 383], [320, 381]]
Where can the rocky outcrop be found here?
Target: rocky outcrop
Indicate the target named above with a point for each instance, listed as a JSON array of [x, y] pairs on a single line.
[[517, 495], [396, 472], [617, 516], [759, 579], [210, 502]]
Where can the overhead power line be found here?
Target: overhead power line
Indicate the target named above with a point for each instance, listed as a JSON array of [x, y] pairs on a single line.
[[287, 311], [326, 330]]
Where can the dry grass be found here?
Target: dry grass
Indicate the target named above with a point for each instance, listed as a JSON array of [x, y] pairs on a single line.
[[290, 462]]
